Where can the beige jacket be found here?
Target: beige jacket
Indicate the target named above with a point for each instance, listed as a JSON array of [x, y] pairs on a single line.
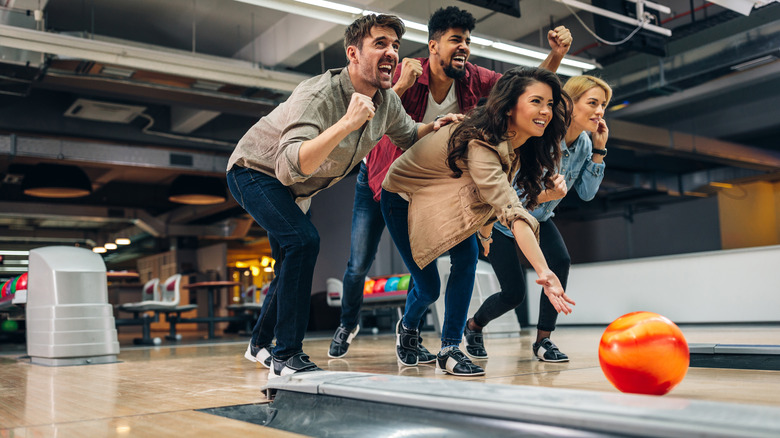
[[443, 210]]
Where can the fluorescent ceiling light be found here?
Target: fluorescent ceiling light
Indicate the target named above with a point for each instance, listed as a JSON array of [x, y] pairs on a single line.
[[509, 52], [481, 41], [14, 253], [332, 5], [416, 26], [519, 50]]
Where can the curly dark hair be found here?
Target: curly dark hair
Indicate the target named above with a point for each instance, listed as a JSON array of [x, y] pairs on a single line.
[[490, 123], [448, 18], [361, 28]]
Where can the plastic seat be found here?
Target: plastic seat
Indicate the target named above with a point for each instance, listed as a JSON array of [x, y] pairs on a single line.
[[150, 297], [169, 304], [334, 288]]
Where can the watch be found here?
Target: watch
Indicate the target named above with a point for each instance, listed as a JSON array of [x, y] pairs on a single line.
[[602, 152]]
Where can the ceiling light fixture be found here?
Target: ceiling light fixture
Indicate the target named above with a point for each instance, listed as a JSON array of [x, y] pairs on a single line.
[[197, 190], [47, 180], [110, 246], [509, 51], [99, 250], [122, 241]]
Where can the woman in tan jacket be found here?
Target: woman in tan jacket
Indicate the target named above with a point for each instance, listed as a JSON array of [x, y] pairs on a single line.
[[453, 184]]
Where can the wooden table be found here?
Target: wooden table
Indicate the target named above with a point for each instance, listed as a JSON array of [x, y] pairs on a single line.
[[211, 287], [122, 275]]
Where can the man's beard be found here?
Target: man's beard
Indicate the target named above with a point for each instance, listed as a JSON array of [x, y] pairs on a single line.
[[453, 72]]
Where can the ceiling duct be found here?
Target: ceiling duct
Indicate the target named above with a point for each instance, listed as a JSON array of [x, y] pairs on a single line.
[[104, 111], [695, 59]]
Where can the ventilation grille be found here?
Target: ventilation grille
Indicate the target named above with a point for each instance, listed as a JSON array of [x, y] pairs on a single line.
[[104, 111]]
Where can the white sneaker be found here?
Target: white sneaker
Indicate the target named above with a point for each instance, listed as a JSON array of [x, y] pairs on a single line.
[[261, 355]]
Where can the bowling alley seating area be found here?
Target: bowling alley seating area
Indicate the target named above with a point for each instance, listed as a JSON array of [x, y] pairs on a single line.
[[251, 303]]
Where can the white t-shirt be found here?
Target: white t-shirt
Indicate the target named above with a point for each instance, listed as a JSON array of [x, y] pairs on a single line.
[[448, 105]]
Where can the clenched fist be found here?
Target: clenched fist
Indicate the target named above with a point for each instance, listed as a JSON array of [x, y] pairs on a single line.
[[560, 40], [360, 110]]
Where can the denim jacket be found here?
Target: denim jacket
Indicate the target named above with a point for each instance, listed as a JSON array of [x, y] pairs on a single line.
[[580, 172]]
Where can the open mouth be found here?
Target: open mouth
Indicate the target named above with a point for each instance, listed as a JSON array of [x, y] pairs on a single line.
[[459, 61], [540, 122], [386, 70]]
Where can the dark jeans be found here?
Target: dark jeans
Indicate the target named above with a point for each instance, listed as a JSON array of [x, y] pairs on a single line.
[[272, 206], [506, 263], [367, 227], [263, 333], [427, 284]]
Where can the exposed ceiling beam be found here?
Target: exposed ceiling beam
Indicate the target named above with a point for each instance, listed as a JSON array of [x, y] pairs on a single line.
[[662, 140], [81, 151], [736, 80], [177, 62]]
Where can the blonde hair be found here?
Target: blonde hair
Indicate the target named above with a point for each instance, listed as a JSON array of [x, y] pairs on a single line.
[[578, 85]]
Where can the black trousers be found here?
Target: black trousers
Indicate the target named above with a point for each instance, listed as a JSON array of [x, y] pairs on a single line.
[[507, 262]]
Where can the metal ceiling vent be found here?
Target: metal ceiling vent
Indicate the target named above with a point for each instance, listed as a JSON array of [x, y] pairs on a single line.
[[104, 111]]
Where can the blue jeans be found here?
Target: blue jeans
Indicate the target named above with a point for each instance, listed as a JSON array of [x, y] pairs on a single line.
[[272, 206], [367, 228], [427, 284]]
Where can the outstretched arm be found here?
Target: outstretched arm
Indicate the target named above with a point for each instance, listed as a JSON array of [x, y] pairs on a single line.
[[526, 240]]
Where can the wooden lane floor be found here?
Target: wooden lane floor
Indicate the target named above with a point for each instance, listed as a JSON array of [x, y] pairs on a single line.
[[158, 390]]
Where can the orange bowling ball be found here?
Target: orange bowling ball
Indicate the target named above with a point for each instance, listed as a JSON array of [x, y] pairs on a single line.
[[644, 353], [368, 286]]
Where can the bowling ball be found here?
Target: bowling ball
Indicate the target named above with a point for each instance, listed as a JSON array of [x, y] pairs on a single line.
[[368, 286], [21, 284], [4, 291], [12, 287], [392, 284], [403, 283], [379, 285], [9, 326], [644, 353]]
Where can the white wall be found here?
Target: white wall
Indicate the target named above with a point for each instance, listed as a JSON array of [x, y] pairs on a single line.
[[741, 285]]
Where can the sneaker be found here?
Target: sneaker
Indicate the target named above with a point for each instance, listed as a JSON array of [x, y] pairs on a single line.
[[406, 346], [475, 344], [546, 351], [453, 361], [298, 363], [261, 355], [341, 340], [423, 355]]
